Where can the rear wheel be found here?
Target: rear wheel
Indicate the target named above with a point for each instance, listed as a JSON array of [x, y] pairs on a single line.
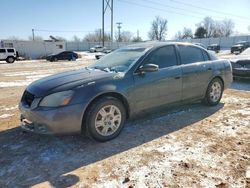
[[10, 59], [105, 119], [214, 92]]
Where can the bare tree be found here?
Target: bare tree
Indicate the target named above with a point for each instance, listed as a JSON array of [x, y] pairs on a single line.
[[228, 26], [137, 39], [209, 25], [178, 35], [76, 39], [96, 36], [185, 34], [158, 29], [125, 36], [217, 28], [223, 28]]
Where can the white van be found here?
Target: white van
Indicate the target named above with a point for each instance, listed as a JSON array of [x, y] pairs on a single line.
[[8, 54]]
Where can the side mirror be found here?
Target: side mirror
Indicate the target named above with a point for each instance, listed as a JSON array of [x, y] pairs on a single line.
[[148, 68]]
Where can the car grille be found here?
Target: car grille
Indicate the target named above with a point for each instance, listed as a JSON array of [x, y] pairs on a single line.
[[28, 98]]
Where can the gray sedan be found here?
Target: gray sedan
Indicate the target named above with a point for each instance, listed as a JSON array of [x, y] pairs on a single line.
[[98, 99]]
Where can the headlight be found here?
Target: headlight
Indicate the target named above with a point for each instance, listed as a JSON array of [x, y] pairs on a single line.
[[57, 99]]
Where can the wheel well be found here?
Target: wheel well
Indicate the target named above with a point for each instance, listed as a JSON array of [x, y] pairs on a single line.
[[109, 94], [220, 80], [10, 56]]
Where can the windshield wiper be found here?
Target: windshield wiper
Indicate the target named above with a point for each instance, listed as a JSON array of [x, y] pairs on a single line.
[[106, 69], [112, 69], [101, 68]]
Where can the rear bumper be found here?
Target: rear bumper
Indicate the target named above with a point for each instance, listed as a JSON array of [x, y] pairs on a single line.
[[61, 120]]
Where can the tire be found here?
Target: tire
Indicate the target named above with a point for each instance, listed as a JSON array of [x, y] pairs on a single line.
[[102, 124], [10, 59], [214, 92]]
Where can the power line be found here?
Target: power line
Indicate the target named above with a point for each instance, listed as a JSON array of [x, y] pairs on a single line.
[[170, 11], [61, 31], [177, 8], [208, 9], [159, 9]]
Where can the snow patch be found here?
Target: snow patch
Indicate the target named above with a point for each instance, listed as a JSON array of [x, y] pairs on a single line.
[[6, 116], [4, 108]]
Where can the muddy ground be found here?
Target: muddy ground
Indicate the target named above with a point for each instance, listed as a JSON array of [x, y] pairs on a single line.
[[185, 146]]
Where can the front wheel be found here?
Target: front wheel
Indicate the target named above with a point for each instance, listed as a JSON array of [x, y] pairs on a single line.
[[105, 119], [10, 60], [214, 92]]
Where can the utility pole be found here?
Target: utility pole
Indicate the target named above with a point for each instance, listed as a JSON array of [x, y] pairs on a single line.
[[119, 30], [33, 34], [107, 4]]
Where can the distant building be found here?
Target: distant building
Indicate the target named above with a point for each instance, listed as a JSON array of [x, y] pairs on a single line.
[[34, 49]]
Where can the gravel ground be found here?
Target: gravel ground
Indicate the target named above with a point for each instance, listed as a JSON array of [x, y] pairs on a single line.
[[185, 146]]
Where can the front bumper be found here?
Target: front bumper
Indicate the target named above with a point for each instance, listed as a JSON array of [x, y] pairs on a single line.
[[241, 73], [60, 120]]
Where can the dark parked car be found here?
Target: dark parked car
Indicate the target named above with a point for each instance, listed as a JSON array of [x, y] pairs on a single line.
[[240, 47], [214, 47], [65, 55], [241, 68], [98, 99]]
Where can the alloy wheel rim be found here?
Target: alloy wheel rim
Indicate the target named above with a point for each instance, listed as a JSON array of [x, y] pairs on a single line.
[[215, 92], [108, 120]]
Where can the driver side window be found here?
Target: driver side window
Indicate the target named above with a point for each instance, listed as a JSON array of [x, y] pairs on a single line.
[[163, 57]]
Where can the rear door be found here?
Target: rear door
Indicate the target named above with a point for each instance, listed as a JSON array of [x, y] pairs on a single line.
[[11, 52], [164, 86], [196, 71], [63, 55], [2, 53]]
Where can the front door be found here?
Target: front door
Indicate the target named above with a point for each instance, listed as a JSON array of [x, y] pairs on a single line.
[[164, 86]]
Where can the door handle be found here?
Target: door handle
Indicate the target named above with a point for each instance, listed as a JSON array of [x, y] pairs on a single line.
[[177, 77]]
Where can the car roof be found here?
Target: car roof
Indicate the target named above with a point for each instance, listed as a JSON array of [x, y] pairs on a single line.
[[153, 44]]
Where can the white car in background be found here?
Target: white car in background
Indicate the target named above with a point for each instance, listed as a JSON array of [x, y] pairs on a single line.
[[97, 48], [8, 54]]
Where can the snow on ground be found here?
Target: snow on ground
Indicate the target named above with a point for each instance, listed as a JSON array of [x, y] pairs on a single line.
[[187, 146], [5, 116], [26, 77]]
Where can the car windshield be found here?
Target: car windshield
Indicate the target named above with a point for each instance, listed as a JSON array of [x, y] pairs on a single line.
[[120, 60]]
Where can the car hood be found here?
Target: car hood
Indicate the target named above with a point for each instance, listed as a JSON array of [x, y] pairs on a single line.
[[66, 81]]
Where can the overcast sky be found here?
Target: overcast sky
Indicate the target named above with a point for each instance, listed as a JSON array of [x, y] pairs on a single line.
[[67, 18]]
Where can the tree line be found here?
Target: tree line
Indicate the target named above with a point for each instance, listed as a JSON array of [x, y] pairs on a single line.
[[206, 28]]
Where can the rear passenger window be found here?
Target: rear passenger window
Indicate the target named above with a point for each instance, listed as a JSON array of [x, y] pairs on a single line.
[[190, 54], [2, 50], [163, 57], [10, 50], [205, 55]]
